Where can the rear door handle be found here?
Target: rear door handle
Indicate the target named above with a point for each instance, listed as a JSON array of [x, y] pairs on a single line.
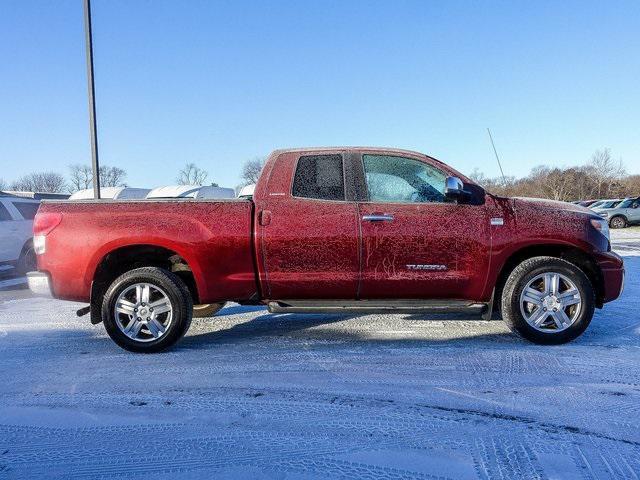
[[378, 217], [264, 217]]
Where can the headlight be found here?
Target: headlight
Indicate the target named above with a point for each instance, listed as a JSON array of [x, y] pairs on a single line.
[[601, 225], [603, 214]]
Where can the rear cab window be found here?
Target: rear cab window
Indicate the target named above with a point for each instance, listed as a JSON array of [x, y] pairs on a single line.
[[319, 177]]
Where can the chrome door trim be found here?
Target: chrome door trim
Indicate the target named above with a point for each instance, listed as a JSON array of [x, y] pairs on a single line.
[[378, 218]]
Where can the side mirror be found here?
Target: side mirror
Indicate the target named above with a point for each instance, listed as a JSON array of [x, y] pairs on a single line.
[[454, 189]]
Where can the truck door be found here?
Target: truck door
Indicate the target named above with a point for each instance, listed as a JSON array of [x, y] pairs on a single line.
[[308, 229], [415, 243]]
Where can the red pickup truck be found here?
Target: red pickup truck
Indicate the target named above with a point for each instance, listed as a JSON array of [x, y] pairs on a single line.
[[330, 230]]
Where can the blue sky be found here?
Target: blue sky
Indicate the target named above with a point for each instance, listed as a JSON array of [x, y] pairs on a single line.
[[217, 83]]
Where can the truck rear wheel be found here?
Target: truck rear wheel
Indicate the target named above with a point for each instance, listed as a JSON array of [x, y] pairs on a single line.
[[147, 310], [548, 301]]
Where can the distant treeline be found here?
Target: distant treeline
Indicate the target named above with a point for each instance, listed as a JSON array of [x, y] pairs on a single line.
[[601, 177]]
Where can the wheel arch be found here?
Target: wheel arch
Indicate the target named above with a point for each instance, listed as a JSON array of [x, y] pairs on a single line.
[[125, 258], [570, 253]]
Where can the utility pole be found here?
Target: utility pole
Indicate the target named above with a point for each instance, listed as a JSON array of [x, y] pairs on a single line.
[[504, 180], [92, 100]]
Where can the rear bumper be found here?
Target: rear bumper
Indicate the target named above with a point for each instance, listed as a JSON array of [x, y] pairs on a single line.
[[612, 268], [39, 284]]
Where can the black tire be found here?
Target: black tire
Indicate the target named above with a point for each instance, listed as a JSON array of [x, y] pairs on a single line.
[[518, 280], [28, 261], [179, 298], [618, 222]]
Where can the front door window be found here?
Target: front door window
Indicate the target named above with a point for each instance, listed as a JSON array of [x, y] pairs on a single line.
[[392, 179]]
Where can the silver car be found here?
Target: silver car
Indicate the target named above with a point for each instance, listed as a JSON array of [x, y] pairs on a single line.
[[623, 214], [605, 204]]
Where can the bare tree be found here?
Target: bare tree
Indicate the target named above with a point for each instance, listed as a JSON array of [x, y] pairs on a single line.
[[3, 184], [251, 170], [608, 172], [191, 174], [112, 176], [632, 185], [478, 176], [498, 185], [81, 178], [49, 182], [602, 177]]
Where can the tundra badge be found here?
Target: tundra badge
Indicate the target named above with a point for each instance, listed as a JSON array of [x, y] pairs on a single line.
[[427, 267]]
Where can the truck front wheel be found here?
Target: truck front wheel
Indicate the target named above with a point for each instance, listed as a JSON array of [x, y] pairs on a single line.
[[548, 300], [147, 310]]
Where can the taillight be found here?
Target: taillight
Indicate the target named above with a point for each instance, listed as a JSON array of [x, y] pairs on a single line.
[[43, 224]]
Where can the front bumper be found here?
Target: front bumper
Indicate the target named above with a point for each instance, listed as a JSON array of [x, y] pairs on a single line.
[[39, 284], [612, 268]]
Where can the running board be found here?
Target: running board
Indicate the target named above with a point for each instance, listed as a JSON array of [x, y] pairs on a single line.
[[376, 306]]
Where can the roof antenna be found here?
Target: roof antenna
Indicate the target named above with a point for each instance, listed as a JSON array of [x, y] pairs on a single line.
[[504, 180]]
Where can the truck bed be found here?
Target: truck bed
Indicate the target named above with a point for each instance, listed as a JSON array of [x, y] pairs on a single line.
[[214, 237]]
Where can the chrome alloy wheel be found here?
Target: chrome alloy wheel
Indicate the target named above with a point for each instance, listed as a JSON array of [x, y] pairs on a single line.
[[143, 312], [550, 302]]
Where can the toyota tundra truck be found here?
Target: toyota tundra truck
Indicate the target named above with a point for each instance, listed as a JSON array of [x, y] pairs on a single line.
[[330, 230]]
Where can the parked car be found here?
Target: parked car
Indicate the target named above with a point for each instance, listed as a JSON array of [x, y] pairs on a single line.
[[596, 204], [247, 191], [34, 195], [121, 193], [16, 224], [191, 191], [604, 204], [623, 214], [339, 230], [585, 203]]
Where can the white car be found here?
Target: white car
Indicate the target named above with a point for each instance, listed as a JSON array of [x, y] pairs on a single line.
[[117, 193], [247, 191], [191, 191], [16, 226]]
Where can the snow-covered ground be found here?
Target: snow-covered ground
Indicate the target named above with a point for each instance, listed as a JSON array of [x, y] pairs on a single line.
[[252, 395], [626, 241]]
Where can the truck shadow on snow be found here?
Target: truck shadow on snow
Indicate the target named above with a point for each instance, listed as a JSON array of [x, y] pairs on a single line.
[[616, 325], [323, 327]]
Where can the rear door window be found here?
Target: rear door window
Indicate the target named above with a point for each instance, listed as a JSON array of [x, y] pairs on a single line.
[[320, 177], [27, 209]]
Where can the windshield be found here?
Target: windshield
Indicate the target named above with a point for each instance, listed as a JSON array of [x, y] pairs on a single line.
[[609, 204]]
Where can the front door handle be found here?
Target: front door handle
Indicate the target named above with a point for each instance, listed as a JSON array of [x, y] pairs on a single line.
[[378, 217]]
